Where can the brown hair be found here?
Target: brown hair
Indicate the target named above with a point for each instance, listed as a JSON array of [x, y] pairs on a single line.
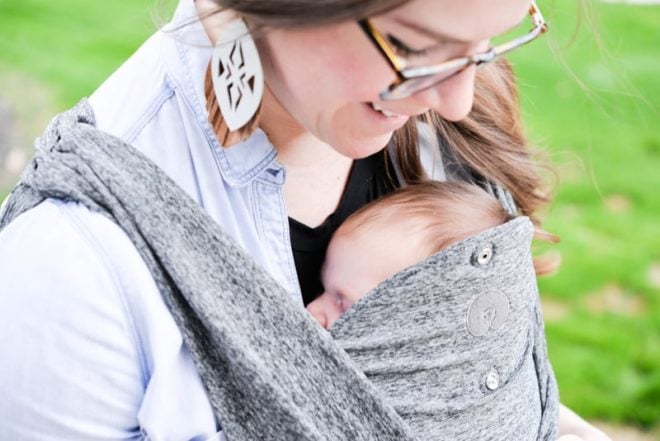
[[305, 13], [442, 212], [436, 215], [490, 141]]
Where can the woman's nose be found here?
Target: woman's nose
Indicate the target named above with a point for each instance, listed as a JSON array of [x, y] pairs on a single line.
[[451, 99]]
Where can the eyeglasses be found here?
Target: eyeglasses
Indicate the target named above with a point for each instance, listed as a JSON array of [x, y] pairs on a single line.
[[411, 80]]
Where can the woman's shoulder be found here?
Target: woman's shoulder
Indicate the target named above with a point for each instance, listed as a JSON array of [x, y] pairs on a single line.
[[151, 103], [131, 94], [158, 86]]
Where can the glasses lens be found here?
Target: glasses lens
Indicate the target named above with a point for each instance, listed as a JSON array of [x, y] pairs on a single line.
[[418, 80], [413, 85]]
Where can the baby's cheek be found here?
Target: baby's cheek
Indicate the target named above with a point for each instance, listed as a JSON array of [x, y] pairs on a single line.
[[345, 304]]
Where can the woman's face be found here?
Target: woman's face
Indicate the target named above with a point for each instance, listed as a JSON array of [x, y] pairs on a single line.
[[327, 79]]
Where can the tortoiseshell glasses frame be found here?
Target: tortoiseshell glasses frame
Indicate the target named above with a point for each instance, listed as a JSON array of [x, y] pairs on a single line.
[[411, 80]]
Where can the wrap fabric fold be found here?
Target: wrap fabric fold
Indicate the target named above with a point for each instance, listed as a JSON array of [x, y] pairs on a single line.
[[270, 371], [455, 342]]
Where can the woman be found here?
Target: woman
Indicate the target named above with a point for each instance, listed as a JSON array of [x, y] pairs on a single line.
[[92, 350]]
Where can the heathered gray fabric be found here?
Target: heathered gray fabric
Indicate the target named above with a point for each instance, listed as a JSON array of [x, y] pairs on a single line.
[[430, 336], [270, 371]]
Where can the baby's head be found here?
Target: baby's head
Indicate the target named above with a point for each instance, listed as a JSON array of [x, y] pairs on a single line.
[[396, 232]]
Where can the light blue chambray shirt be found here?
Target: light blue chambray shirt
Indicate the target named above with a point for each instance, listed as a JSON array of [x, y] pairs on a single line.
[[89, 349]]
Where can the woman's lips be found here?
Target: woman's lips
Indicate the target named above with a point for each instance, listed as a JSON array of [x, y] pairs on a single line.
[[388, 119], [387, 113]]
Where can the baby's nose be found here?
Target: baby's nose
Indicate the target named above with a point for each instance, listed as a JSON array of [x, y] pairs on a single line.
[[316, 310], [325, 309]]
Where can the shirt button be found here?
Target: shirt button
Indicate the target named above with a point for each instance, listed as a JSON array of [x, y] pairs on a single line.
[[484, 255], [492, 380]]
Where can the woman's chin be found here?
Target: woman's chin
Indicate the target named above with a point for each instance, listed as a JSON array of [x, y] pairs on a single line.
[[361, 148]]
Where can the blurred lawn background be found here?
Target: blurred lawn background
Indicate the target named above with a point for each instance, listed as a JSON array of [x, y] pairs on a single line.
[[597, 115]]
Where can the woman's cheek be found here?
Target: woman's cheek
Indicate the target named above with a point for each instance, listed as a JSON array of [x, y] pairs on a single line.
[[353, 77], [329, 65], [349, 65]]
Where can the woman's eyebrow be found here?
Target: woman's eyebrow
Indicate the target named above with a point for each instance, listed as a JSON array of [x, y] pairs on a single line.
[[437, 36]]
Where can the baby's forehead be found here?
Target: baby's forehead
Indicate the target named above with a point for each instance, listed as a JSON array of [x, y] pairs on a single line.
[[381, 219], [380, 234]]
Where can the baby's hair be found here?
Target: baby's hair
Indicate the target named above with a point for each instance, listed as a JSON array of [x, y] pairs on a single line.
[[437, 214]]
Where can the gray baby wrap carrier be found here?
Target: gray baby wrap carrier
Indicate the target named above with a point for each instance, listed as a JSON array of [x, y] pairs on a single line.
[[456, 342], [449, 349]]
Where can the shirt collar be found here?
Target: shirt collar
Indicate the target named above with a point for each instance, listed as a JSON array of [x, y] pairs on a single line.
[[187, 51]]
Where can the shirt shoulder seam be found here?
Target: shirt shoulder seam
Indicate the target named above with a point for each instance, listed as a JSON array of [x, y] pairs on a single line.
[[148, 115], [97, 249]]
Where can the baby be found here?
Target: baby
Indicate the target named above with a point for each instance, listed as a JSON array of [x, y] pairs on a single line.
[[395, 232]]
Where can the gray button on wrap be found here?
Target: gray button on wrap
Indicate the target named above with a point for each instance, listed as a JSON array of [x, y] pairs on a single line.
[[492, 380], [484, 255], [487, 312]]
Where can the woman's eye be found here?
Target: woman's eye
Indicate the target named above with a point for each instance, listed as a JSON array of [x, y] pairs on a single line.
[[403, 49]]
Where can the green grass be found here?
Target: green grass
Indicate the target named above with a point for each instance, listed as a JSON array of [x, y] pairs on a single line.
[[604, 141], [605, 144], [72, 45]]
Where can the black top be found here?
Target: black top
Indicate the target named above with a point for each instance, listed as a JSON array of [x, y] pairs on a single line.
[[367, 181]]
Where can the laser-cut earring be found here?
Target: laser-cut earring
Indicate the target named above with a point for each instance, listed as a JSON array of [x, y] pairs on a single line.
[[237, 79]]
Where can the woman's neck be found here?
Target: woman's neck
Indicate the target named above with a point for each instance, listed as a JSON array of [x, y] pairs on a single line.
[[296, 147], [316, 173]]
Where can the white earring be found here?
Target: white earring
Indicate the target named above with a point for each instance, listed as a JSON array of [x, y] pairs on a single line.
[[238, 79]]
